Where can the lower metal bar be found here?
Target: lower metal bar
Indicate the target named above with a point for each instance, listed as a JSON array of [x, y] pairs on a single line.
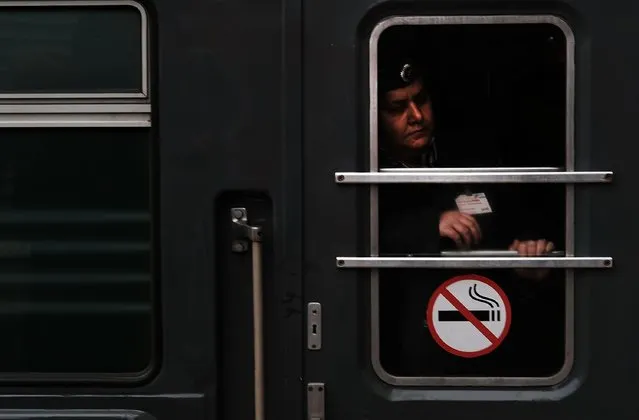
[[474, 262], [470, 177]]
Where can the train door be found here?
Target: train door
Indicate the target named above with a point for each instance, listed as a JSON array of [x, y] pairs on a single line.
[[462, 210], [139, 140]]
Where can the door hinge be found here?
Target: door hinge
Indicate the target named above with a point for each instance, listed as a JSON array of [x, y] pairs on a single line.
[[315, 400], [244, 233], [314, 326]]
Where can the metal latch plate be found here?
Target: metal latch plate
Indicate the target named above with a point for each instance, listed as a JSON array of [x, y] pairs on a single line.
[[315, 400], [314, 326]]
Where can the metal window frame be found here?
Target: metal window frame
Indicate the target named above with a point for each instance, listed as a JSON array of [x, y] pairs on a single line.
[[374, 211], [68, 109], [74, 110], [144, 27]]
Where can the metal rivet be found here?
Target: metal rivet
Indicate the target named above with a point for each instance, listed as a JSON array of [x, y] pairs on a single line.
[[238, 214], [239, 246]]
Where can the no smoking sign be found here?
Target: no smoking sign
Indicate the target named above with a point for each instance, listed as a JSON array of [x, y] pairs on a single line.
[[469, 316]]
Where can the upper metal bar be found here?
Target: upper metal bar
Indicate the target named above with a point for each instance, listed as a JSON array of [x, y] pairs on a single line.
[[474, 262], [466, 177]]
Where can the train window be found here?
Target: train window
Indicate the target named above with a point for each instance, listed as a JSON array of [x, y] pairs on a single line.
[[76, 248], [75, 252], [66, 50], [464, 92]]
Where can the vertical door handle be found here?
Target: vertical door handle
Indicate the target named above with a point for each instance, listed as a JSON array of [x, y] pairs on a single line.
[[253, 234]]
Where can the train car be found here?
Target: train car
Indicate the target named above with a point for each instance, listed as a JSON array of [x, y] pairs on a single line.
[[234, 210]]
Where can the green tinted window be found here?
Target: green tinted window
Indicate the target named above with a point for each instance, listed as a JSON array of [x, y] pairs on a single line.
[[75, 251], [71, 50]]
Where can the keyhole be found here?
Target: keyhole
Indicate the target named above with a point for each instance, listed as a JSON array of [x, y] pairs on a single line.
[[314, 328]]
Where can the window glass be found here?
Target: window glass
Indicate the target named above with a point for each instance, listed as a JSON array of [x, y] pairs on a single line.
[[47, 50], [472, 96], [533, 346], [75, 251]]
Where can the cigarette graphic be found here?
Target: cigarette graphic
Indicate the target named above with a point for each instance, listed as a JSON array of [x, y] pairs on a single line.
[[493, 314]]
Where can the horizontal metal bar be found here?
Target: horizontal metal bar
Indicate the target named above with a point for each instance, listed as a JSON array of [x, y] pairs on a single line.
[[492, 253], [488, 169], [75, 120], [465, 177], [73, 95], [87, 279], [474, 262], [15, 249], [63, 108], [68, 308], [72, 217]]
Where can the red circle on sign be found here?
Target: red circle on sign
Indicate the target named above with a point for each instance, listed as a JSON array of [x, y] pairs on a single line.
[[443, 288]]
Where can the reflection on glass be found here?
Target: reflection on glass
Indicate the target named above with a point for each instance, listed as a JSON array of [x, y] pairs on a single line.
[[75, 249]]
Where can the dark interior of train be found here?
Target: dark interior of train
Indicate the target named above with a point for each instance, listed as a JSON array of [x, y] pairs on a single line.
[[75, 250], [499, 100], [498, 90]]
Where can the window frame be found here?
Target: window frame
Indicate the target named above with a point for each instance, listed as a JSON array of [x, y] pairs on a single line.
[[67, 109], [569, 343], [104, 378], [101, 111], [144, 91]]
